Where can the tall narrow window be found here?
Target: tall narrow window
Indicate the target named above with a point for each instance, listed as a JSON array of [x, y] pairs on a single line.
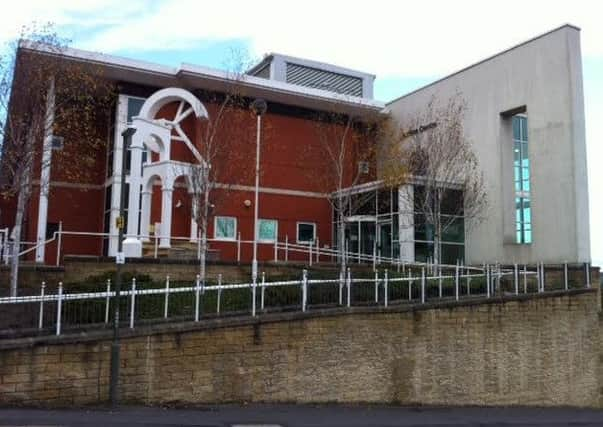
[[134, 106], [521, 173]]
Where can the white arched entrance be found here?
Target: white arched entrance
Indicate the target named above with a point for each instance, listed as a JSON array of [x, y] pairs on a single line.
[[155, 134]]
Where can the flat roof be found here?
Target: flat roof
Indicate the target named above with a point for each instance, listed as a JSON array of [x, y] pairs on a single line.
[[143, 72]]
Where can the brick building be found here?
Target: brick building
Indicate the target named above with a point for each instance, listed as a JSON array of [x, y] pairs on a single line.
[[525, 119]]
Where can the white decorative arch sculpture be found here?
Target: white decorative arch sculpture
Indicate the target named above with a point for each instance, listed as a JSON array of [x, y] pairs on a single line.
[[163, 97], [156, 135]]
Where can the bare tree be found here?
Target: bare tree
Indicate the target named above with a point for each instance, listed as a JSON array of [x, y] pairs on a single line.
[[433, 154], [222, 143], [43, 95], [348, 145]]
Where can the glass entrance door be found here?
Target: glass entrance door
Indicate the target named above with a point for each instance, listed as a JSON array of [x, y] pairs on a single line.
[[367, 237], [384, 242], [360, 234]]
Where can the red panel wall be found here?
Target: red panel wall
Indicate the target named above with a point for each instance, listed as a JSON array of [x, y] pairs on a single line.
[[293, 157]]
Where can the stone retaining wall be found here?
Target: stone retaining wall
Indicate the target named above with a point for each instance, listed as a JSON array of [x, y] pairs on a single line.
[[526, 350]]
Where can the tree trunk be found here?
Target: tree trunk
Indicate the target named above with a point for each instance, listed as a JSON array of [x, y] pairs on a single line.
[[341, 244], [16, 235], [437, 236], [436, 249], [203, 255]]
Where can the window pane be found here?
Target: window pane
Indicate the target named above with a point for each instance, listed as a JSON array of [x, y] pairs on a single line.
[[452, 202], [524, 150], [385, 202], [305, 232], [452, 253], [525, 172], [267, 230], [526, 185], [454, 231], [527, 212], [134, 106], [419, 195], [364, 203], [524, 128], [516, 128], [423, 231], [423, 251], [225, 227]]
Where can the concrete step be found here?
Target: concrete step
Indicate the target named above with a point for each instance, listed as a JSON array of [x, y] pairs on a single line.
[[178, 250]]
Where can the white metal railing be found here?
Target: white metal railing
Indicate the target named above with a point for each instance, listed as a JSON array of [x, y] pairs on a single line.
[[416, 286], [282, 250]]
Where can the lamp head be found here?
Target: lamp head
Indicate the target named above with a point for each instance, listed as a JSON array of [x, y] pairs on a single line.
[[259, 106]]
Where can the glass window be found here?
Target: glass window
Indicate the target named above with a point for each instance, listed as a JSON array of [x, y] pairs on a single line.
[[423, 251], [453, 229], [364, 203], [523, 220], [134, 106], [452, 253], [225, 228], [452, 202], [521, 177], [385, 201], [306, 232], [423, 229], [267, 230]]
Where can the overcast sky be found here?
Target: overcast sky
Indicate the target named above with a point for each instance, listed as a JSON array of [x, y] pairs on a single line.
[[405, 43]]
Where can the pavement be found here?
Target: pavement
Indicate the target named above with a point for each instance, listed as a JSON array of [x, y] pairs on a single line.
[[303, 415]]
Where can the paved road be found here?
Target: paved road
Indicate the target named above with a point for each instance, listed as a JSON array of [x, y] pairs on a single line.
[[297, 416]]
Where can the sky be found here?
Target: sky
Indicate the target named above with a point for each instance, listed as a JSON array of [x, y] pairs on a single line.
[[407, 44]]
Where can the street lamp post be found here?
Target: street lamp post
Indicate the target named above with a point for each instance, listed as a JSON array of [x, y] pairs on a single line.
[[119, 260], [259, 107]]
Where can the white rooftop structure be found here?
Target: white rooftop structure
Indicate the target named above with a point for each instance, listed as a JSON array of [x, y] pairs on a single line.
[[314, 74]]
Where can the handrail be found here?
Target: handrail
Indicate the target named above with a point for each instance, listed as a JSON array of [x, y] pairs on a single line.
[[279, 246], [414, 288], [33, 248], [219, 287]]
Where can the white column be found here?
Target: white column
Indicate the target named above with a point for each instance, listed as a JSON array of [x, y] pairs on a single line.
[[406, 221], [166, 217], [120, 120], [145, 214], [132, 244], [45, 172], [134, 199]]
